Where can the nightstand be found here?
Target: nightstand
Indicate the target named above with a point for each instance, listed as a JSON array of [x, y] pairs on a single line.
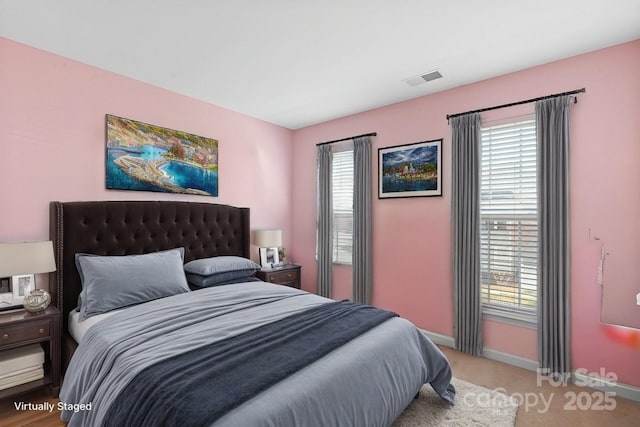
[[287, 275], [20, 328]]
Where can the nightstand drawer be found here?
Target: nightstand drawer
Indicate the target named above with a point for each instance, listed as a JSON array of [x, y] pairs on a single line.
[[284, 276], [25, 332]]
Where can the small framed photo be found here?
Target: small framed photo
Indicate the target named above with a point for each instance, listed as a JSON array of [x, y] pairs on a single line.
[[5, 285], [410, 170], [6, 300], [21, 286], [269, 257], [6, 296]]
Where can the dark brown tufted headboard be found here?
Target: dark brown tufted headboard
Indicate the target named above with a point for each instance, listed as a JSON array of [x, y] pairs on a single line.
[[137, 227]]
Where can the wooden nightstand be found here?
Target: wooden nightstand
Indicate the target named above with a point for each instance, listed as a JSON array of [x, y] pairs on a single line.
[[287, 275], [20, 328]]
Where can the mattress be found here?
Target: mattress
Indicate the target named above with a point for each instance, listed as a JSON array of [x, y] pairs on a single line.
[[78, 328]]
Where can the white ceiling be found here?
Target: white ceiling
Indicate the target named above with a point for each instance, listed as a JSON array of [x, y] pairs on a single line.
[[297, 63]]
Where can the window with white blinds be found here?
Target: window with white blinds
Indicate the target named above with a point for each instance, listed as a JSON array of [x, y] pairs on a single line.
[[508, 220], [342, 189]]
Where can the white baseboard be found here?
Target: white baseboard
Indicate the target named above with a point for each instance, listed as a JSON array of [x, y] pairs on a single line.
[[440, 339], [598, 383], [620, 389], [510, 359]]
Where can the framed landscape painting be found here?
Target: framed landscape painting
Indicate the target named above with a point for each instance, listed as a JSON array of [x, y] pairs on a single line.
[[410, 170], [152, 158]]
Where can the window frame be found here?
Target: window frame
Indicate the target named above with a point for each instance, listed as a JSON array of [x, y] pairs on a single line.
[[339, 149], [340, 155], [511, 314]]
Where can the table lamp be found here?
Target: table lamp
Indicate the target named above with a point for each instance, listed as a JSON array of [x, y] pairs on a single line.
[[268, 242], [28, 258]]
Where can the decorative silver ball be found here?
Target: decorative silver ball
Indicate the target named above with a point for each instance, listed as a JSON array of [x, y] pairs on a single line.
[[36, 300]]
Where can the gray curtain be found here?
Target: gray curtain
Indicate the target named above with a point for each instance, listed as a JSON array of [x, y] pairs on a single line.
[[552, 127], [465, 208], [325, 232], [362, 220]]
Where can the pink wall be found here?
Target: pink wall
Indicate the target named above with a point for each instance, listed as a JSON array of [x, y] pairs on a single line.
[[52, 134], [52, 137], [412, 243]]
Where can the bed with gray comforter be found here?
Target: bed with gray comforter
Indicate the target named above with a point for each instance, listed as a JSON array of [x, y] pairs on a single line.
[[367, 381]]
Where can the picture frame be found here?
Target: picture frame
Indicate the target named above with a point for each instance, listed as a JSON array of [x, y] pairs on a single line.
[[5, 285], [145, 157], [410, 170], [21, 285], [269, 257], [6, 301], [13, 290], [6, 296]]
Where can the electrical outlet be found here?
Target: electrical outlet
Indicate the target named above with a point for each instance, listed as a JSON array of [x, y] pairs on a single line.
[[638, 299]]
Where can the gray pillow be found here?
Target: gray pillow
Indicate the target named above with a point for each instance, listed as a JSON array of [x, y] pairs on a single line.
[[228, 278], [111, 282], [219, 265]]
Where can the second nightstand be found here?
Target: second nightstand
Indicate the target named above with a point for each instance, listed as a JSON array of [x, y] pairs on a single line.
[[287, 275]]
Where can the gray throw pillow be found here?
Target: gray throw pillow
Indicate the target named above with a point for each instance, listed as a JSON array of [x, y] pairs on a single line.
[[228, 278], [219, 265], [111, 282]]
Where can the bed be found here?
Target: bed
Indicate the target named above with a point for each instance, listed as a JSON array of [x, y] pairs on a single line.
[[365, 380]]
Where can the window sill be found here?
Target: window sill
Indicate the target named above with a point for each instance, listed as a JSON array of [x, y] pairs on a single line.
[[512, 317]]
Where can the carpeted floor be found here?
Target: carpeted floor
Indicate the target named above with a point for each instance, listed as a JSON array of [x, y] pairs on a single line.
[[475, 406]]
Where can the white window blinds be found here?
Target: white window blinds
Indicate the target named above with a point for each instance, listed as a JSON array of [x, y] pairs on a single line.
[[508, 217], [342, 189]]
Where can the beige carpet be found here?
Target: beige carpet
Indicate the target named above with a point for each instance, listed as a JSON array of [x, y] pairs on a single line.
[[475, 406]]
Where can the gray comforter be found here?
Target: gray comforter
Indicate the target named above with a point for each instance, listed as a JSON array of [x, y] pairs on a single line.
[[367, 382]]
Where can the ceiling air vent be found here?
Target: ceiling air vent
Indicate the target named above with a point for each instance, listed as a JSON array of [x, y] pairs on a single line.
[[423, 78]]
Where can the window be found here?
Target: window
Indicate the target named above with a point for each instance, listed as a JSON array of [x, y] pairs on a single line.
[[508, 221], [342, 192]]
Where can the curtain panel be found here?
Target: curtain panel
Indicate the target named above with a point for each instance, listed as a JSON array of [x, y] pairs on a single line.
[[361, 251], [465, 210], [325, 226], [554, 332]]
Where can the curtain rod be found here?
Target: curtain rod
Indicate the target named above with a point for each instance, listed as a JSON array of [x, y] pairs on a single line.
[[344, 139], [527, 101]]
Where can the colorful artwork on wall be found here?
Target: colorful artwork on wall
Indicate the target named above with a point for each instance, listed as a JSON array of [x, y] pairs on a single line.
[[410, 170], [145, 157]]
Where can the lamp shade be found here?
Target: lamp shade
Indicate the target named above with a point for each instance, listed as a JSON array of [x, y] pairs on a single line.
[[26, 258], [268, 238]]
